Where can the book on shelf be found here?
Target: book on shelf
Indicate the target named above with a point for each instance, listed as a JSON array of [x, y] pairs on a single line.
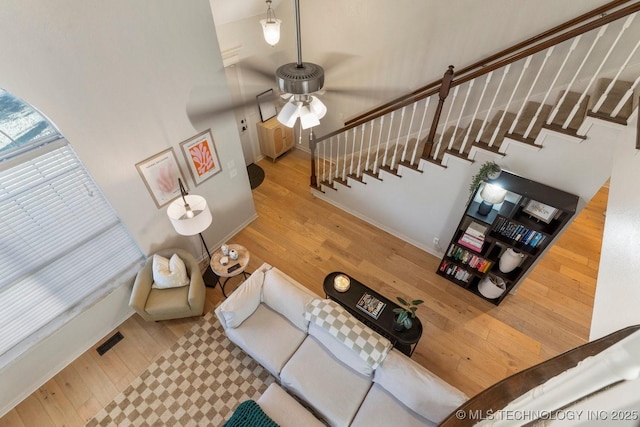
[[371, 305]]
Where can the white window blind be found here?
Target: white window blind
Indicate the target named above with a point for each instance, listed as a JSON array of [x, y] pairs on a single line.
[[61, 245]]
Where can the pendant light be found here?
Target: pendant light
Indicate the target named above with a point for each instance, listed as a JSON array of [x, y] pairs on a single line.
[[271, 26]]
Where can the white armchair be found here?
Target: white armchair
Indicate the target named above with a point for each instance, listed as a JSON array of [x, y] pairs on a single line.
[[173, 303]]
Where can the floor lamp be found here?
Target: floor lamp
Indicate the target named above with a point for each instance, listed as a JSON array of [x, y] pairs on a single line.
[[189, 216]]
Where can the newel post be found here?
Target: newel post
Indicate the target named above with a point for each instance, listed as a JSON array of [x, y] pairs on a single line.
[[444, 91], [312, 148]]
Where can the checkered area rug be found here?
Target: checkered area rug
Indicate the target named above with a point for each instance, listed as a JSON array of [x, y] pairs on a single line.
[[199, 381]]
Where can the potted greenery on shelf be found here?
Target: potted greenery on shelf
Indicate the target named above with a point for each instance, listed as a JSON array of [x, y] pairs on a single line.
[[404, 315], [488, 170]]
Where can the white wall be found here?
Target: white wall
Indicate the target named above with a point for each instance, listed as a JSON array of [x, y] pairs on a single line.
[[117, 78], [618, 291]]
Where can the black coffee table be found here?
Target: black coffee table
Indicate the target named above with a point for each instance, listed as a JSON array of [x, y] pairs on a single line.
[[405, 340]]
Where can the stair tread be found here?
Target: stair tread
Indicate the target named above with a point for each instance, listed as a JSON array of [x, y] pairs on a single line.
[[565, 109], [615, 95], [490, 129]]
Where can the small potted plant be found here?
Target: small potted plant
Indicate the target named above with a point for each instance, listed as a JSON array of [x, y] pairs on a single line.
[[487, 170], [403, 317]]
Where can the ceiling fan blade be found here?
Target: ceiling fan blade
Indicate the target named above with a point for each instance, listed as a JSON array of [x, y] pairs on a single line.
[[206, 109], [332, 60]]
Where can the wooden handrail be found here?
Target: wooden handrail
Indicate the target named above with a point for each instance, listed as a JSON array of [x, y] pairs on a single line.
[[501, 394], [606, 19], [482, 65]]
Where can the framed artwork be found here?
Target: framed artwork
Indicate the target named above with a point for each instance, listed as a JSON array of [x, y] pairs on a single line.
[[266, 105], [201, 156], [540, 211], [160, 174]]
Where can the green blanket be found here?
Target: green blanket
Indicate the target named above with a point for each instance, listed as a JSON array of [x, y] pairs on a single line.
[[249, 414]]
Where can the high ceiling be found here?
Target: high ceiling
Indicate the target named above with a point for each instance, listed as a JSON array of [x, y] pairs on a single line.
[[225, 11]]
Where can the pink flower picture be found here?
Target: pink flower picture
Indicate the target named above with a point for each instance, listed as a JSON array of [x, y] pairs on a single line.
[[202, 158]]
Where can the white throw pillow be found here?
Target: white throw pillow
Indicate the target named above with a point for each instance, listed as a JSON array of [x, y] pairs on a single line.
[[169, 273], [243, 301], [418, 388], [282, 294]]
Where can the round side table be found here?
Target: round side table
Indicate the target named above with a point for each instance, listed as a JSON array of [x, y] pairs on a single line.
[[223, 270]]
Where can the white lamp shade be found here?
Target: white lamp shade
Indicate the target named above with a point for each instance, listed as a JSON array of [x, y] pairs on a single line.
[[493, 194], [289, 114], [184, 225], [310, 112], [271, 30]]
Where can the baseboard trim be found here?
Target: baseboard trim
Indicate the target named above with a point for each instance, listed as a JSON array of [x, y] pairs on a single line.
[[431, 250]]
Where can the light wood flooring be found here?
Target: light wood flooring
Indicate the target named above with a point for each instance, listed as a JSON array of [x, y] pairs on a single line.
[[467, 341]]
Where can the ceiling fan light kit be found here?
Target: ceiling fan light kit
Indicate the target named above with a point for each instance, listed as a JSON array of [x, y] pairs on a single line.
[[301, 79], [271, 26]]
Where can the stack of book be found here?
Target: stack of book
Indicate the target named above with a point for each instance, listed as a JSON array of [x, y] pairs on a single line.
[[519, 233], [473, 237], [468, 258], [457, 272]]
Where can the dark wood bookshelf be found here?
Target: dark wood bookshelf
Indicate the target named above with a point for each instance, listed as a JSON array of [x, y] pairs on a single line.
[[509, 226]]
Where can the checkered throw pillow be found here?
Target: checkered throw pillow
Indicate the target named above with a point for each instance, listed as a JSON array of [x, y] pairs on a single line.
[[368, 344]]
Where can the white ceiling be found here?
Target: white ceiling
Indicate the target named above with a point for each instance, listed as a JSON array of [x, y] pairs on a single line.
[[225, 11]]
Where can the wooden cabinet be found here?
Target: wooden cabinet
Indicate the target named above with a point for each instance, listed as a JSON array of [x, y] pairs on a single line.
[[517, 231], [275, 138]]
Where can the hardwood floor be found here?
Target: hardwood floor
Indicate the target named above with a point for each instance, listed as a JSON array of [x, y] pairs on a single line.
[[467, 341]]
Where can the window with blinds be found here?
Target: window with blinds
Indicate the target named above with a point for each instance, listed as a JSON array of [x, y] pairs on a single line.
[[61, 245]]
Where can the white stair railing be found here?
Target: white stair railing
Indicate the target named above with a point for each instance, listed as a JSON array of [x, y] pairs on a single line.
[[385, 141]]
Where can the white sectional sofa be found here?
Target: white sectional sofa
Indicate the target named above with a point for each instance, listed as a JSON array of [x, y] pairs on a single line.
[[329, 364]]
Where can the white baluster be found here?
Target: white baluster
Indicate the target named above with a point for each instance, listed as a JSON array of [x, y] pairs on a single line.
[[464, 106], [506, 107], [575, 76], [406, 142], [375, 161], [576, 107], [324, 161], [424, 115], [552, 86], [344, 157], [625, 98], [397, 143], [371, 123], [444, 125], [475, 113], [493, 101], [330, 161], [386, 148], [359, 168], [353, 151], [604, 96], [526, 98]]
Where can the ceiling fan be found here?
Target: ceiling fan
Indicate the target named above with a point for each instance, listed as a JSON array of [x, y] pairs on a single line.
[[299, 81]]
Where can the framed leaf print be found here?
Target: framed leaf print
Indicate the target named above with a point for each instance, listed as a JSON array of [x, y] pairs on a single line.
[[201, 156], [160, 174]]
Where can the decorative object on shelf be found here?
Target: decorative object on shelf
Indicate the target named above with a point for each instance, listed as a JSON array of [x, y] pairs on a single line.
[[510, 260], [160, 173], [341, 283], [201, 156], [271, 26], [190, 215], [488, 170], [404, 315], [540, 211], [224, 249], [233, 254], [490, 194], [492, 286]]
